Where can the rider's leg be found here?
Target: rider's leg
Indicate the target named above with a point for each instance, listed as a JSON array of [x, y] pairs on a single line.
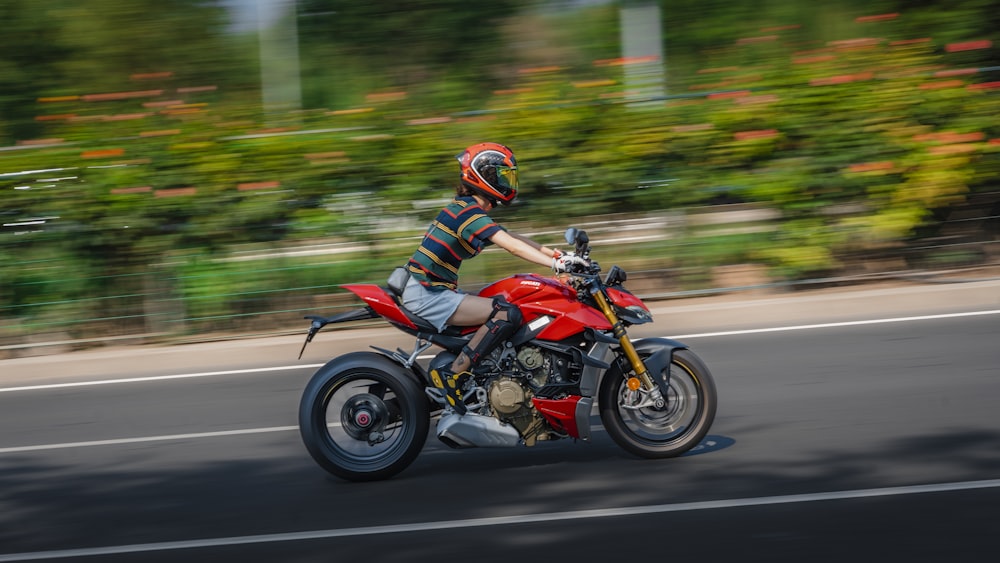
[[473, 310], [500, 320], [503, 321]]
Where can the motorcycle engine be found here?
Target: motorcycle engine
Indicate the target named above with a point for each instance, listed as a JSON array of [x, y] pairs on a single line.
[[535, 364], [510, 397], [511, 403]]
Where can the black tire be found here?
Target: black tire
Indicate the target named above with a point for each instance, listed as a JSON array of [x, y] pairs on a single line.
[[677, 427], [350, 400]]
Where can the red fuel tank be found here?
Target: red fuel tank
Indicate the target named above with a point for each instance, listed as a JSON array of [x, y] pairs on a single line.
[[547, 300]]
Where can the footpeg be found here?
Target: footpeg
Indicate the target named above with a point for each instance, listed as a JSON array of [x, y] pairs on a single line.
[[435, 395]]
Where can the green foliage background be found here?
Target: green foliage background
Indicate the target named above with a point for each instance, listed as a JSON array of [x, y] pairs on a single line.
[[858, 131]]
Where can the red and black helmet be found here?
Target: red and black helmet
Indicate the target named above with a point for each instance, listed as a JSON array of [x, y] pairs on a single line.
[[491, 170]]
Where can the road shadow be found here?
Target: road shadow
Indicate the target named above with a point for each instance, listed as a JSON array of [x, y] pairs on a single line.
[[82, 499], [709, 445]]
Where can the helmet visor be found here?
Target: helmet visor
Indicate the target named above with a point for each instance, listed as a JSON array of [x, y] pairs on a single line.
[[507, 177]]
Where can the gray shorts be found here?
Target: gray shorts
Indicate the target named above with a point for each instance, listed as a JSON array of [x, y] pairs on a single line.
[[435, 307]]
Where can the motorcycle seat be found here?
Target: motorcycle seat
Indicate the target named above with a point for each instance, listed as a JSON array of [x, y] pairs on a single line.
[[395, 285]]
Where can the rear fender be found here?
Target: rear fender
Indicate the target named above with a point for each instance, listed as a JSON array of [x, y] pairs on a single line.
[[381, 359]]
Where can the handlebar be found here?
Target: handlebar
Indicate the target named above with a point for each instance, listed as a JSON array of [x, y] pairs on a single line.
[[582, 275]]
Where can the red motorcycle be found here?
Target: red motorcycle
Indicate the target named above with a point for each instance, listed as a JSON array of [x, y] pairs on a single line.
[[366, 415]]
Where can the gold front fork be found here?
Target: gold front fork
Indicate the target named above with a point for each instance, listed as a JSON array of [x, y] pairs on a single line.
[[619, 332]]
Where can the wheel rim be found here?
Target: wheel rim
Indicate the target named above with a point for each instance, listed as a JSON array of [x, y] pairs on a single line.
[[364, 417], [677, 416], [362, 422]]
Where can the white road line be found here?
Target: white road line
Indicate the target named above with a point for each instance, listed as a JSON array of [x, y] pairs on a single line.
[[19, 449], [839, 324], [679, 336], [193, 436], [505, 520], [155, 378]]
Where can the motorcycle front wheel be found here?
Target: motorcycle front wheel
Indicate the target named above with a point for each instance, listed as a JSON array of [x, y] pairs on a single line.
[[362, 420], [667, 431]]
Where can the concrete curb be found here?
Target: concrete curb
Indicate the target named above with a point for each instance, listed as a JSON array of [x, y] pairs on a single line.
[[738, 311]]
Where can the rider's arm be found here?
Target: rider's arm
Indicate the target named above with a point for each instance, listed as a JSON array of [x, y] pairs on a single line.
[[550, 252], [523, 247]]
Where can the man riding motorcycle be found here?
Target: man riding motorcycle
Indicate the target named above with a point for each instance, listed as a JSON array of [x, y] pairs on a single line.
[[488, 178]]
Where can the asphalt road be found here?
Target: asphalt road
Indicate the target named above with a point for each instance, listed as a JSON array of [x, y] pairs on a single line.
[[869, 431]]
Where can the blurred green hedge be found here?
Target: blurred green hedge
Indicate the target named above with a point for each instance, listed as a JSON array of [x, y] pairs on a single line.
[[854, 145]]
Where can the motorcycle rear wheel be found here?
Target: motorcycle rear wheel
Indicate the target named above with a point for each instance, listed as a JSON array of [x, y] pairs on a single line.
[[670, 431], [363, 421]]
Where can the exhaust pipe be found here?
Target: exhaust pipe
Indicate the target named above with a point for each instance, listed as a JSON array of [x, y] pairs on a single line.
[[476, 431]]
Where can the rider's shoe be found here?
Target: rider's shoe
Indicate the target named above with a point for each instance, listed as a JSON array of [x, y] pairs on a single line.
[[451, 384]]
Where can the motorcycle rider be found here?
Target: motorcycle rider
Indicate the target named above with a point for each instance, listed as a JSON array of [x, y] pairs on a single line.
[[488, 178]]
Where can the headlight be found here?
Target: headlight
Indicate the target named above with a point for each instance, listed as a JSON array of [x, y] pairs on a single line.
[[634, 314]]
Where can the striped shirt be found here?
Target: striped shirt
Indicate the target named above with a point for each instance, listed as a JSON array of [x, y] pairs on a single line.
[[461, 230]]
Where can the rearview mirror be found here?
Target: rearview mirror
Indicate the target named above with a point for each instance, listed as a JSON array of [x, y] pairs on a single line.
[[576, 237], [570, 235]]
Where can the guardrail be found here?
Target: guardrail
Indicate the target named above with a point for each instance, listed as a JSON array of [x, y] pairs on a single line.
[[160, 306]]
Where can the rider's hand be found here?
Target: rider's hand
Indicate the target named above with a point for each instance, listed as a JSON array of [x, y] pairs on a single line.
[[563, 278], [561, 262]]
